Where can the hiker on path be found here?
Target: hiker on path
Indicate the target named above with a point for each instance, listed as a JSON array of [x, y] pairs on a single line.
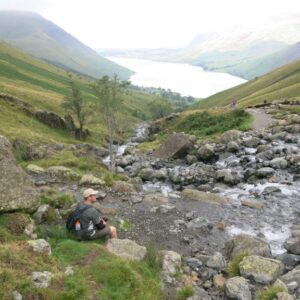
[[93, 226]]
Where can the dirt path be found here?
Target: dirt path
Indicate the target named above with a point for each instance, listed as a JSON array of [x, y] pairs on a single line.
[[261, 119]]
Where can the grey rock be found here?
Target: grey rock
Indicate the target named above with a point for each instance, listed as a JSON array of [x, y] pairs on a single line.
[[238, 288], [155, 199], [90, 180], [146, 174], [233, 147], [247, 244], [17, 296], [69, 271], [197, 223], [40, 246], [278, 163], [176, 146], [194, 263], [292, 278], [226, 176], [284, 296], [123, 187], [265, 172], [230, 135], [190, 159], [17, 191], [171, 263], [40, 213], [199, 294], [203, 197], [166, 208], [217, 262], [126, 249], [289, 260], [206, 153], [61, 173], [292, 245], [262, 270], [252, 142], [41, 279]]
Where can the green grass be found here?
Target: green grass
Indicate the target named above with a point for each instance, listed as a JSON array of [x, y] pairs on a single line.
[[270, 293], [185, 292], [282, 83], [97, 274], [233, 268], [44, 86], [208, 124]]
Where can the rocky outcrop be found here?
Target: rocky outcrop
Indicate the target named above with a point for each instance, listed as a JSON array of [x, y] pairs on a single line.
[[51, 119], [176, 145], [17, 191]]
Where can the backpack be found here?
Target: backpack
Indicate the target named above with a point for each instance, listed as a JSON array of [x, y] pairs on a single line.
[[73, 220]]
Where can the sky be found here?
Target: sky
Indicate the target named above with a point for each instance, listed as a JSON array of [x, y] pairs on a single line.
[[153, 23]]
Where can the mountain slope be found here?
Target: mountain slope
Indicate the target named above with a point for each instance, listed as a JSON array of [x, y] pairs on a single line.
[[44, 86], [243, 51], [43, 39], [265, 64], [282, 83]]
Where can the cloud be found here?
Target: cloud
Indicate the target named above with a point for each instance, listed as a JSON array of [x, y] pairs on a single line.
[[155, 23]]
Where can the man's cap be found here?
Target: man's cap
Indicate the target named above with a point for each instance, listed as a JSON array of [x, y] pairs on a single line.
[[89, 192]]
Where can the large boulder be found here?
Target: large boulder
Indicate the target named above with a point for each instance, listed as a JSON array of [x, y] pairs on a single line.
[[123, 187], [260, 269], [230, 135], [206, 153], [292, 277], [292, 245], [238, 288], [17, 191], [203, 196], [126, 249], [246, 244], [176, 145]]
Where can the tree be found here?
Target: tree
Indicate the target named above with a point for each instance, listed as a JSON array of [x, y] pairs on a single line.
[[77, 105], [109, 92], [160, 108]]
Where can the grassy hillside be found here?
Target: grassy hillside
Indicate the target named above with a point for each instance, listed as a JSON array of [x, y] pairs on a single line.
[[44, 86], [97, 273], [43, 39], [282, 83], [260, 66]]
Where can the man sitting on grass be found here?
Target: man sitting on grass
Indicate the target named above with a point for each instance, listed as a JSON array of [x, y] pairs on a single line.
[[93, 226]]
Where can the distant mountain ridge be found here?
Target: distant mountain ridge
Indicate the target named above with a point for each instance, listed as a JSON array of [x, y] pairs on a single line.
[[43, 39], [244, 52]]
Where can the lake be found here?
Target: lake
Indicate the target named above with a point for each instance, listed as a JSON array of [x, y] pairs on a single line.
[[185, 79]]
